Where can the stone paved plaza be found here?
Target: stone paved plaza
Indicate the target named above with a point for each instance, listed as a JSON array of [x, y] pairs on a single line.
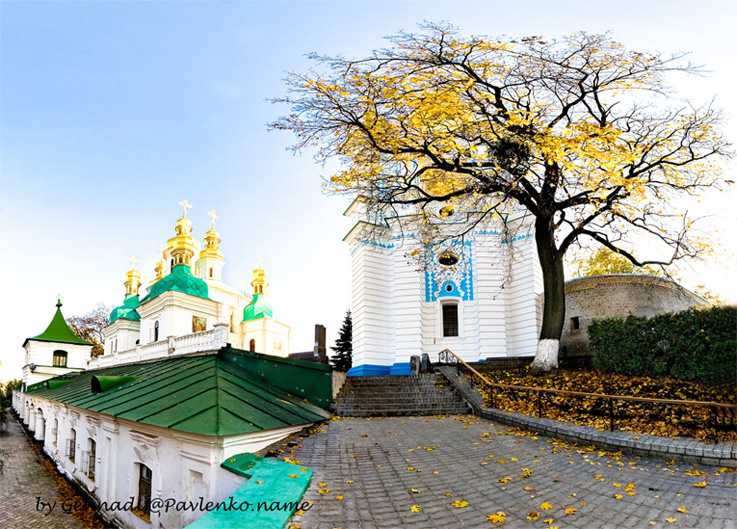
[[23, 480], [383, 467]]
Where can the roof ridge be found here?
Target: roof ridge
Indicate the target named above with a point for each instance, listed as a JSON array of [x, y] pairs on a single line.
[[167, 396]]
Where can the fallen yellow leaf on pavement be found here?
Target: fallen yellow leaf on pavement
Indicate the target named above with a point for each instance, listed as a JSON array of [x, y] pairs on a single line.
[[499, 517]]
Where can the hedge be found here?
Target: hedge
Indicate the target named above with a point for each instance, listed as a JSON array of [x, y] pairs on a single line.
[[693, 344]]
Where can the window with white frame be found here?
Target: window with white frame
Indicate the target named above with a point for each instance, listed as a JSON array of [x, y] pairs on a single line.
[[88, 459], [71, 445], [450, 319], [59, 359], [143, 504]]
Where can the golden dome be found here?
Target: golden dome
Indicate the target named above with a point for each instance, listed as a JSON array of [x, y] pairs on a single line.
[[132, 279], [161, 265], [182, 244], [212, 240], [259, 282]]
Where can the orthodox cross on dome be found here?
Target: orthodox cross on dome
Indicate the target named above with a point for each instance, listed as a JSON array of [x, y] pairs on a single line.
[[185, 205], [213, 216], [161, 248], [260, 261], [133, 261]]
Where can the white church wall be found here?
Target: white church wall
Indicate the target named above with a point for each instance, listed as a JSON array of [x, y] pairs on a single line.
[[405, 296], [521, 302], [121, 335], [175, 311], [373, 284], [491, 295], [231, 301], [271, 337], [41, 355]]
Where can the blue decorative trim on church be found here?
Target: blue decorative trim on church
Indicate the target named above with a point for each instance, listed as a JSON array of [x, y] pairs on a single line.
[[449, 281], [373, 370]]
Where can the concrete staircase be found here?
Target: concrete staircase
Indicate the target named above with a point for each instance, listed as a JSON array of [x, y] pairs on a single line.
[[425, 394]]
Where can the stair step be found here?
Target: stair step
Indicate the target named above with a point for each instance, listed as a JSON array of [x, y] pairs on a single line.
[[425, 394]]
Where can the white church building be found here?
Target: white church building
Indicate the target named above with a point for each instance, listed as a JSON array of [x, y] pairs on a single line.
[[188, 297], [478, 294], [194, 373]]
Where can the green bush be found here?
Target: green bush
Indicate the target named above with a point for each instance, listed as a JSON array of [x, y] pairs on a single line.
[[693, 344]]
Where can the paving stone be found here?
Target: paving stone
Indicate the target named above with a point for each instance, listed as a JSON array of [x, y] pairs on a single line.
[[459, 447], [24, 480]]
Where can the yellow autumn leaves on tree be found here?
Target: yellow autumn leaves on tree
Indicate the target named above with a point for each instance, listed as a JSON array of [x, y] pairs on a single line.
[[580, 133]]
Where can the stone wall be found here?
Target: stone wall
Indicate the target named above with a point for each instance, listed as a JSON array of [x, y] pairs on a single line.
[[618, 296]]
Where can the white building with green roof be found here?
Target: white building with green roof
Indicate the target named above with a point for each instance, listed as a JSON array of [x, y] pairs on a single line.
[[165, 430], [56, 351], [193, 379]]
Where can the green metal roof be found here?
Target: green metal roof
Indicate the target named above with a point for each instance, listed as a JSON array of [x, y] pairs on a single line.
[[180, 280], [208, 395], [127, 311], [269, 481], [58, 331], [258, 308]]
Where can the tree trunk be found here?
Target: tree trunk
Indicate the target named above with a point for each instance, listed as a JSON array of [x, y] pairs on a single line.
[[554, 306]]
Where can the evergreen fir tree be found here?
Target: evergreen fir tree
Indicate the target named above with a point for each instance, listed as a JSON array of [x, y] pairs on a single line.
[[343, 359]]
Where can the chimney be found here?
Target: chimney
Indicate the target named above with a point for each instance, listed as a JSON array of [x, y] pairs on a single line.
[[319, 350]]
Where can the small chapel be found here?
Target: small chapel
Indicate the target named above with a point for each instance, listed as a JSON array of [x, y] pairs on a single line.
[[477, 293]]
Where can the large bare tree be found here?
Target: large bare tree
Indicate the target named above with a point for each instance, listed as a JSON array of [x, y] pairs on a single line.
[[581, 132], [89, 327]]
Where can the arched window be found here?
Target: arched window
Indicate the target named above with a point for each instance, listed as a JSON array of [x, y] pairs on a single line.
[[143, 505], [450, 319], [252, 345], [72, 445], [91, 455], [55, 431], [210, 271], [156, 331], [60, 359]]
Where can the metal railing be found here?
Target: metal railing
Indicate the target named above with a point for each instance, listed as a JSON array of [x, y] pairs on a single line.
[[724, 412]]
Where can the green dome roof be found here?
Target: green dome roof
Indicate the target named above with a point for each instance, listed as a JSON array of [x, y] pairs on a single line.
[[58, 331], [180, 280], [258, 308], [127, 311]]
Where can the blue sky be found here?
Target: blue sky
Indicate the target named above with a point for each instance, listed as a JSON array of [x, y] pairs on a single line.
[[113, 112]]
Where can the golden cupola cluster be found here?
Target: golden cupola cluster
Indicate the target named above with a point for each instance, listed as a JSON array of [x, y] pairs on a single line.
[[183, 249]]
